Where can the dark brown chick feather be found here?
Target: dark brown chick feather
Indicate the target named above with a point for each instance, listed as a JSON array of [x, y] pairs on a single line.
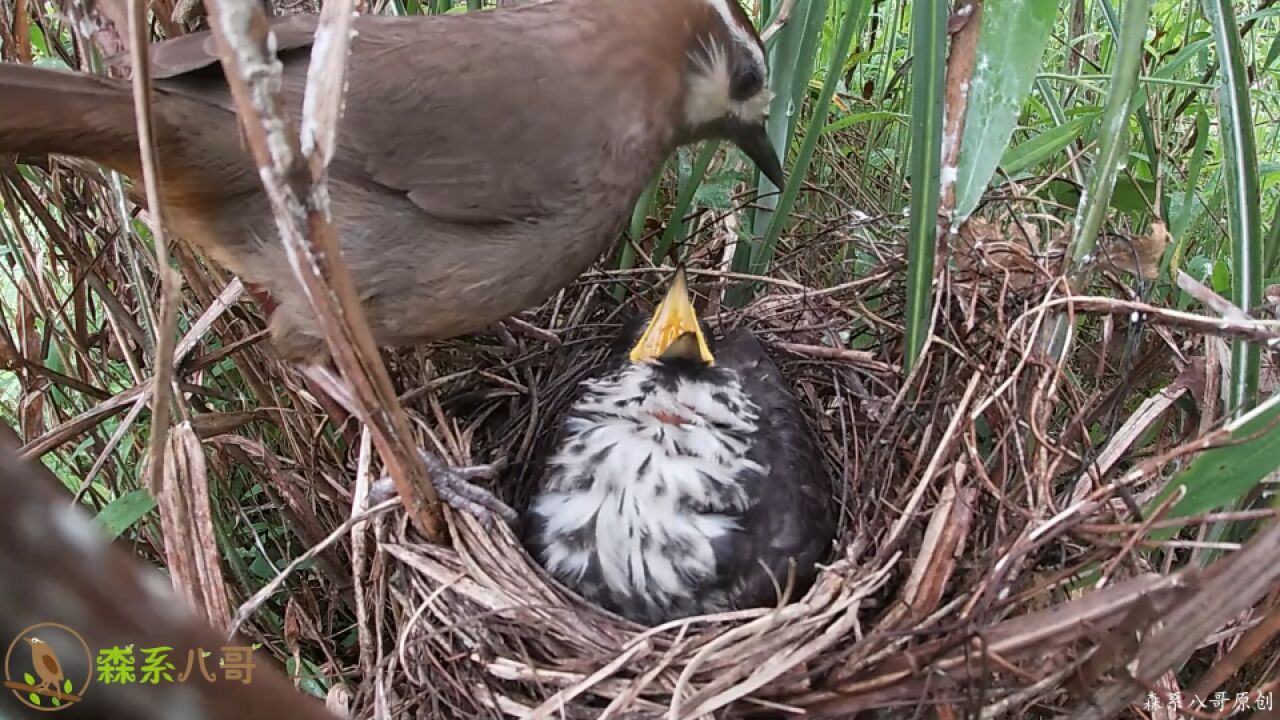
[[484, 159], [792, 515]]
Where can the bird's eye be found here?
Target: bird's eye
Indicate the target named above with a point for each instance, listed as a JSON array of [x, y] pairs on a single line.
[[747, 81]]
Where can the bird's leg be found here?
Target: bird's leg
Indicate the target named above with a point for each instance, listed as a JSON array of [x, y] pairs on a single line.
[[453, 485]]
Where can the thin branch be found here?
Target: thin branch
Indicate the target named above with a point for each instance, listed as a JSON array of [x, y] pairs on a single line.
[[296, 186], [162, 388], [779, 21]]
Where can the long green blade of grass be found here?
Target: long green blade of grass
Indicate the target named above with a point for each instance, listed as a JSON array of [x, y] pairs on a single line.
[[1221, 476], [784, 57], [928, 71], [791, 54], [815, 19], [627, 254], [1112, 150], [1050, 142], [1010, 47], [1272, 264], [822, 104], [1244, 220], [1139, 105], [675, 229]]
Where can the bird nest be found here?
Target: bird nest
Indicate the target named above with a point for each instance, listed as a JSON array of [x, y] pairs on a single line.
[[486, 630], [977, 513]]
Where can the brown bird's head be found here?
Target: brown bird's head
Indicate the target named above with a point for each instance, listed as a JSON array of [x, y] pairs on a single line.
[[727, 91]]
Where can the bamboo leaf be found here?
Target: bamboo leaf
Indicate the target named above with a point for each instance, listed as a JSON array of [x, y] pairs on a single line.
[[1221, 476], [1240, 161], [121, 514], [1033, 151], [1010, 47], [928, 72]]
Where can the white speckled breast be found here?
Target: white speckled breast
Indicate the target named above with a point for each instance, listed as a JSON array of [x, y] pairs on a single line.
[[648, 476]]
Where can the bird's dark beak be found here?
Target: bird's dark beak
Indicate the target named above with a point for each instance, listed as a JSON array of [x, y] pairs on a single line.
[[754, 141], [672, 321]]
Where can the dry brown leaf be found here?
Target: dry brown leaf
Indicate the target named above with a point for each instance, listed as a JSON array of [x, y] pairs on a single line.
[[8, 355], [1141, 255], [210, 424], [186, 520], [986, 247]]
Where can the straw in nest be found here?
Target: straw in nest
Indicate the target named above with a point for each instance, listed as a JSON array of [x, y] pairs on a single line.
[[966, 573]]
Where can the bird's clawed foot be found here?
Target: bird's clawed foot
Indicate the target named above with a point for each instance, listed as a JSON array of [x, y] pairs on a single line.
[[453, 485]]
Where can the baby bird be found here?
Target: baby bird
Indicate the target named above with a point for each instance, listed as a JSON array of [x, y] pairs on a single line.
[[682, 482]]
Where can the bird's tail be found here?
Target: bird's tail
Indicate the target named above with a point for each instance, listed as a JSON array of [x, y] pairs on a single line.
[[45, 111]]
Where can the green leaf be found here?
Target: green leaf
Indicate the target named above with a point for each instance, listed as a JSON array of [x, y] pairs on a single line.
[[1244, 216], [1010, 47], [28, 678], [928, 72], [627, 252], [1033, 151], [121, 514], [1220, 476], [34, 698], [849, 121], [66, 686], [761, 257], [1272, 54], [1182, 219], [716, 192], [689, 183], [1112, 150], [1221, 277]]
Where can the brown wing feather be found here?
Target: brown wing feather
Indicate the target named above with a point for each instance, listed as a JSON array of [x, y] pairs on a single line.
[[50, 663], [195, 51], [411, 118], [420, 136]]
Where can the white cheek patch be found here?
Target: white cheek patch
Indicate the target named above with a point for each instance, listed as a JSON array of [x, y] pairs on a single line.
[[740, 34], [754, 108], [709, 96], [709, 82]]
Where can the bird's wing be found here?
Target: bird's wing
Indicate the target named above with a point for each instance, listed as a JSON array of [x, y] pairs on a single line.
[[794, 513], [473, 137], [185, 54], [51, 664], [419, 93]]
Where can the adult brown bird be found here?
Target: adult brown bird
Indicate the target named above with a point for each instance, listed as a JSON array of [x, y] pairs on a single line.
[[484, 159], [685, 480], [45, 662]]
